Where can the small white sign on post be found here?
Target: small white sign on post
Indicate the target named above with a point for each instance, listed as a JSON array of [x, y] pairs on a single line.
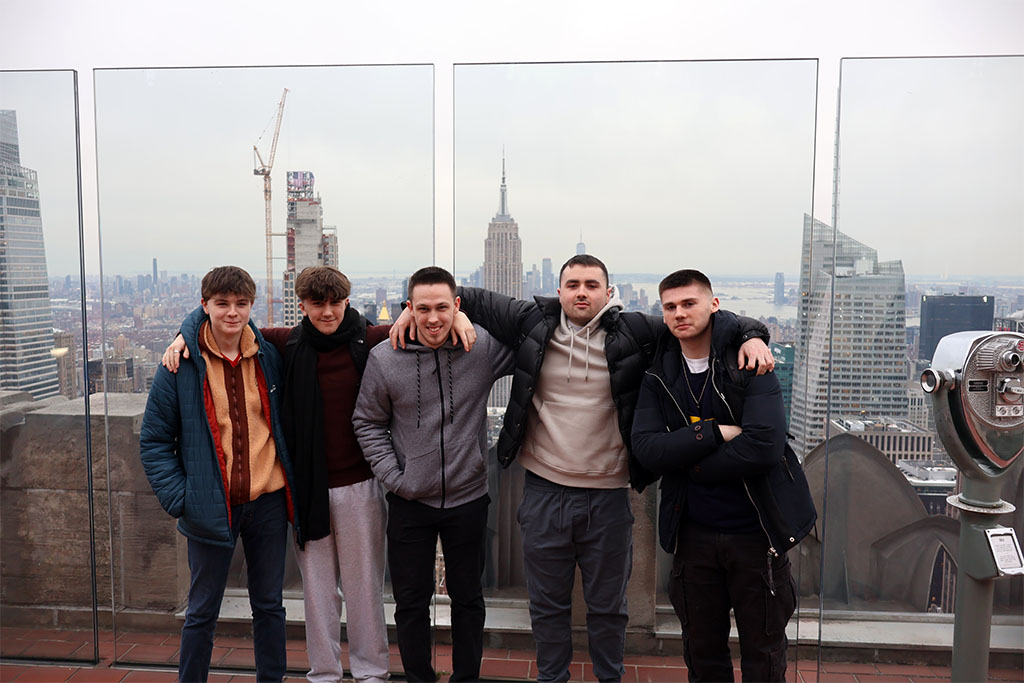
[[1005, 547]]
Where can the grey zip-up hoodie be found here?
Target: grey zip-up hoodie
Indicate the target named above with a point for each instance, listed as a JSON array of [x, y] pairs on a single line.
[[421, 418]]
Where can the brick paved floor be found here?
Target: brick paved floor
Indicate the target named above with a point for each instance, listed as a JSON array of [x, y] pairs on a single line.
[[161, 650]]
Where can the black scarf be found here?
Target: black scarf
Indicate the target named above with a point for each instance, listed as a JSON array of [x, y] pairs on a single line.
[[303, 419]]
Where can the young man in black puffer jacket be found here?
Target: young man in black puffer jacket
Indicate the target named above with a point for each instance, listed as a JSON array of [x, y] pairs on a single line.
[[734, 497]]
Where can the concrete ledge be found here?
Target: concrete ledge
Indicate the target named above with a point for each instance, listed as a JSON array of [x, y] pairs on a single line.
[[893, 637]]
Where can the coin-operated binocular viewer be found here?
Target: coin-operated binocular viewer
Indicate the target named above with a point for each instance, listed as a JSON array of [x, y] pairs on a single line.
[[976, 383]]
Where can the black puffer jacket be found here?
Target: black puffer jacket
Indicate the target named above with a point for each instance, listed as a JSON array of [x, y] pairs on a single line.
[[527, 327], [667, 444]]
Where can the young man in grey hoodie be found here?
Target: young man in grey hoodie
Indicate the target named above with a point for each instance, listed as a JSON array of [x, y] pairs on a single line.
[[420, 420]]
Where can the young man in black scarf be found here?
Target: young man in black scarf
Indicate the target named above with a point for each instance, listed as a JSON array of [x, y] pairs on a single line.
[[339, 503]]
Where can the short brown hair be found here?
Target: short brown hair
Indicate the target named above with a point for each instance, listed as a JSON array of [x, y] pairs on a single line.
[[584, 260], [322, 283], [684, 278], [431, 275], [228, 280]]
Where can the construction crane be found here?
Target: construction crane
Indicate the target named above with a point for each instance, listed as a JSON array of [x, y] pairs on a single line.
[[263, 169]]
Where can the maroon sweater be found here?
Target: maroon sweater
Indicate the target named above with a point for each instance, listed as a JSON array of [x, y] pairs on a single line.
[[339, 382]]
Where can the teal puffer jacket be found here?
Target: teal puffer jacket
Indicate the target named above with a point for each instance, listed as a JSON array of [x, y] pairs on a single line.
[[176, 444]]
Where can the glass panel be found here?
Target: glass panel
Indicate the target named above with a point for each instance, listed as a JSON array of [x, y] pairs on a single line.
[[927, 241], [652, 167], [47, 577], [351, 186]]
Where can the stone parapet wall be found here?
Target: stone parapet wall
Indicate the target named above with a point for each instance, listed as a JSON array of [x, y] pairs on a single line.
[[44, 508]]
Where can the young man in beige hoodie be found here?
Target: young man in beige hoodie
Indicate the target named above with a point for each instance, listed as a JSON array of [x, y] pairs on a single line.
[[579, 365]]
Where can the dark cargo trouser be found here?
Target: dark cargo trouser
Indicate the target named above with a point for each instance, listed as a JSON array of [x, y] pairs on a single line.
[[564, 526], [712, 572]]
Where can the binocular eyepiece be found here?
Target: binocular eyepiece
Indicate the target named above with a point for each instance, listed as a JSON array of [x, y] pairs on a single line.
[[977, 387], [932, 380]]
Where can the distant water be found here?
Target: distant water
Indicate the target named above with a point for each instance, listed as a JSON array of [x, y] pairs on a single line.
[[755, 299]]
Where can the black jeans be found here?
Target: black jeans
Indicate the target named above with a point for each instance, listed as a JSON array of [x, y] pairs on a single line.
[[413, 530], [712, 572]]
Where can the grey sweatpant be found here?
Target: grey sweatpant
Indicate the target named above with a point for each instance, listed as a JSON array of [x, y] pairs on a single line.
[[351, 561], [564, 527]]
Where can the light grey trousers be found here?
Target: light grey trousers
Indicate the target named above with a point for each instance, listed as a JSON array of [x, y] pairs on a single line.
[[564, 527], [349, 562]]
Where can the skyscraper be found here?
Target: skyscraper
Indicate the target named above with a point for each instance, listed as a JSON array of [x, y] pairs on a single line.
[[780, 289], [948, 313], [580, 247], [868, 373], [503, 260], [308, 243], [26, 321], [503, 269], [547, 277]]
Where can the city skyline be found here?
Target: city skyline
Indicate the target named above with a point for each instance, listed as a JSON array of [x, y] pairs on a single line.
[[617, 165]]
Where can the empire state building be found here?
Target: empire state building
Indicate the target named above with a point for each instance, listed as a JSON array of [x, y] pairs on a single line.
[[503, 252], [503, 270]]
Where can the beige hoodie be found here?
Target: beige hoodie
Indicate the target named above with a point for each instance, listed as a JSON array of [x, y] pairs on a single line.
[[572, 433]]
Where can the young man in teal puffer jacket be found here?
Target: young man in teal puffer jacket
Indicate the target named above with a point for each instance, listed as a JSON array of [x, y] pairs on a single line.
[[213, 450]]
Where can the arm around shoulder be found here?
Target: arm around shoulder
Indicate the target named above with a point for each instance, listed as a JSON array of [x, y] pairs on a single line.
[[502, 359], [752, 329], [500, 315]]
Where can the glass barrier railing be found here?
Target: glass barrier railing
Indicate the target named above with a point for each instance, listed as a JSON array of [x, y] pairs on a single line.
[[924, 241], [272, 170], [651, 167], [54, 561]]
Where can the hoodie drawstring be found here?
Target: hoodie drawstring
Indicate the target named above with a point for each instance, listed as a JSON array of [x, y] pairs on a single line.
[[572, 345], [418, 404], [586, 378], [451, 393]]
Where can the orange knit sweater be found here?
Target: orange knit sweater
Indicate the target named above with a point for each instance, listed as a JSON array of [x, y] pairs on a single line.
[[241, 430]]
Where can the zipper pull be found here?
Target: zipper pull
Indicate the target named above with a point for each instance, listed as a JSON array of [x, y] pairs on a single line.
[[771, 579]]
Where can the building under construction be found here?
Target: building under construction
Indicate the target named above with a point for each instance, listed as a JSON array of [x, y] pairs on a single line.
[[308, 243]]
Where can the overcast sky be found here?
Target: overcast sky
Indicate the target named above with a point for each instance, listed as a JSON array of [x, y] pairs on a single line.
[[176, 162], [45, 106], [660, 164], [932, 162]]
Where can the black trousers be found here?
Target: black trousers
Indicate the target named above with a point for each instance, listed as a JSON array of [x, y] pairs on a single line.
[[713, 572], [413, 530]]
